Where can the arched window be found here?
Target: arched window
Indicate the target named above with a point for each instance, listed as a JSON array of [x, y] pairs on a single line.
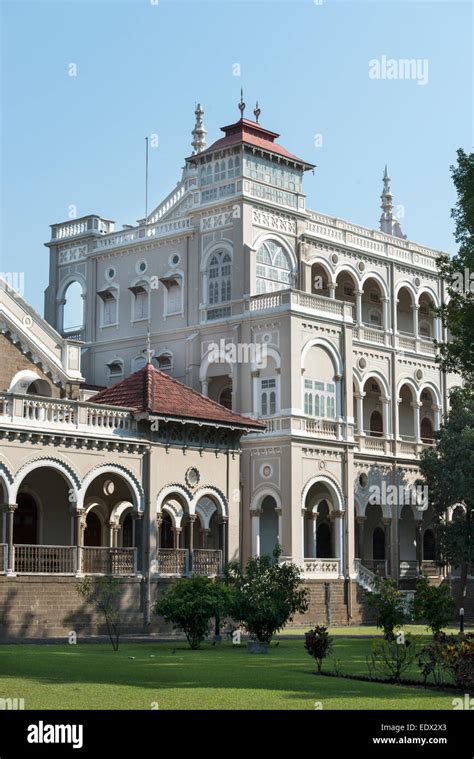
[[93, 531], [268, 396], [138, 363], [429, 546], [219, 171], [206, 174], [219, 272], [140, 302], [426, 430], [225, 398], [73, 313], [376, 424], [274, 267], [166, 532], [109, 307], [115, 370], [164, 361], [174, 299]]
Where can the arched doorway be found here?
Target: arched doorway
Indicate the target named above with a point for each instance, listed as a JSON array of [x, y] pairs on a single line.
[[323, 541], [378, 544], [127, 531], [225, 398], [268, 526], [429, 546], [25, 520], [166, 532], [93, 530]]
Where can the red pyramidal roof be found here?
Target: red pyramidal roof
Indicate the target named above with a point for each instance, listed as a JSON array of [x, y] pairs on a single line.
[[150, 390], [251, 133]]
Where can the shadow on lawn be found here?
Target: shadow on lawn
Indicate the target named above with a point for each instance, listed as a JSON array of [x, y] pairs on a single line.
[[285, 670]]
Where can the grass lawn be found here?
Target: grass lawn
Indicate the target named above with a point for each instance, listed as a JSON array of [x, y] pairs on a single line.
[[171, 676]]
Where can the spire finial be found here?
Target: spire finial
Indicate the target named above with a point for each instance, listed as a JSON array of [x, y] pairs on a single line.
[[241, 104], [257, 112], [199, 133], [388, 223]]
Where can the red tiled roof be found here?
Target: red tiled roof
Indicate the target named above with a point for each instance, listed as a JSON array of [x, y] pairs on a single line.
[[156, 392], [251, 133]]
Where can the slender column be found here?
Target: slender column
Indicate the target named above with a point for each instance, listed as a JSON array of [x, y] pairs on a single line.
[[224, 523], [385, 320], [437, 416], [280, 534], [176, 535], [79, 530], [205, 387], [332, 290], [359, 294], [115, 536], [419, 544], [415, 309], [416, 420], [192, 519], [387, 524], [360, 413], [338, 521], [11, 508], [361, 535], [111, 534], [139, 539], [255, 515], [386, 416], [159, 522]]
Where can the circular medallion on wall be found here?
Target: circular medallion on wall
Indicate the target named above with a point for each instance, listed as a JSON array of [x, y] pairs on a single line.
[[418, 374], [362, 363], [174, 259], [266, 471], [334, 258], [417, 281], [322, 465], [192, 477], [109, 487], [110, 273], [141, 267], [361, 266]]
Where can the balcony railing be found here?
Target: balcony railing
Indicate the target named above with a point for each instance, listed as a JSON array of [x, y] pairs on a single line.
[[63, 560], [408, 568], [48, 413], [329, 568], [179, 562], [98, 560], [44, 560], [332, 429], [378, 567]]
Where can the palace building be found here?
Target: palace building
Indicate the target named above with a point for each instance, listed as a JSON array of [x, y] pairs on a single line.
[[288, 386]]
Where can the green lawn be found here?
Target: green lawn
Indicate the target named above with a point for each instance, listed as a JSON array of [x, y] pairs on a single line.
[[167, 676]]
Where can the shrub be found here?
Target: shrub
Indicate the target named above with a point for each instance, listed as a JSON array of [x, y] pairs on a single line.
[[190, 604], [457, 654], [389, 606], [266, 595], [433, 605], [318, 644], [430, 662], [392, 656], [105, 594]]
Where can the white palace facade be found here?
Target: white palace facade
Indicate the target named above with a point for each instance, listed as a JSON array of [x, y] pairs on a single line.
[[318, 327]]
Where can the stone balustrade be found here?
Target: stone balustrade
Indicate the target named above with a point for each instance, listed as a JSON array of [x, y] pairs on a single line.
[[48, 413]]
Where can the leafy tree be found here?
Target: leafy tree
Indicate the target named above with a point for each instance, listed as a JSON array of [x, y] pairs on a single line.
[[448, 471], [389, 606], [190, 604], [318, 644], [266, 595], [434, 605], [458, 272], [105, 593]]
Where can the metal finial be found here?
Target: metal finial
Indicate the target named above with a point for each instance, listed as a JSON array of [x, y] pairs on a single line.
[[241, 104], [256, 112], [199, 132]]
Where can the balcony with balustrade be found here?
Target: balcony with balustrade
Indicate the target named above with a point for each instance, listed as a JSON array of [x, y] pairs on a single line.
[[183, 562]]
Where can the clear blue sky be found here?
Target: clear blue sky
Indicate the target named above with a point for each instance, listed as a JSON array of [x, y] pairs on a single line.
[[142, 66]]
